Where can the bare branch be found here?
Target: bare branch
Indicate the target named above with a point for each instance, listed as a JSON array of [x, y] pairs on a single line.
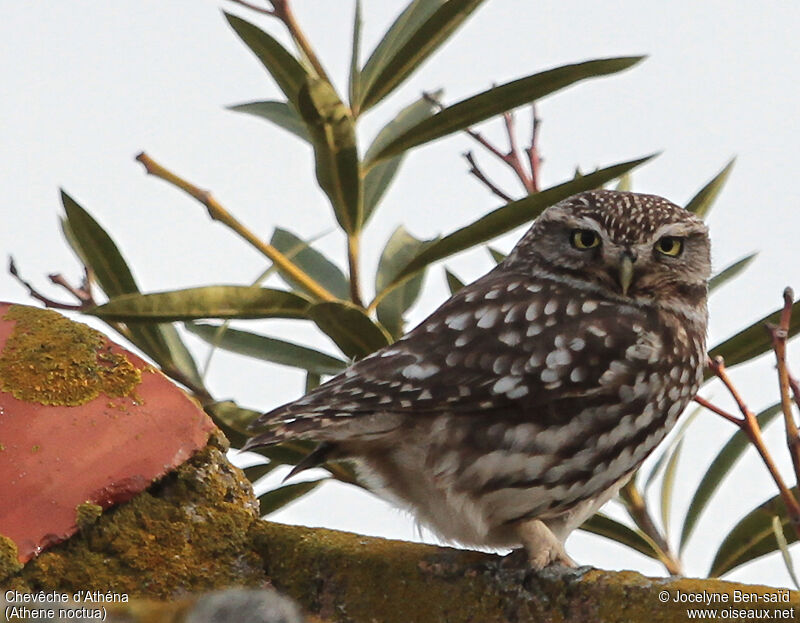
[[476, 171]]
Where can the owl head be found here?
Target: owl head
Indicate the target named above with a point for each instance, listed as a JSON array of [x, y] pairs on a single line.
[[622, 245]]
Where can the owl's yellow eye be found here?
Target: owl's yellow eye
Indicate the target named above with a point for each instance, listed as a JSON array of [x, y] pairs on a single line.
[[669, 245], [584, 239]]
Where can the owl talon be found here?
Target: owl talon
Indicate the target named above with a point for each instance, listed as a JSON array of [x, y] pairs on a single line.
[[542, 546]]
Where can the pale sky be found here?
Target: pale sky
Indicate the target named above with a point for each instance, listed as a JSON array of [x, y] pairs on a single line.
[[87, 85]]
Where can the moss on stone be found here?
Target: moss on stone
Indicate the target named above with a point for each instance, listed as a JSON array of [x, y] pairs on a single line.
[[87, 514], [188, 532], [52, 360], [9, 558]]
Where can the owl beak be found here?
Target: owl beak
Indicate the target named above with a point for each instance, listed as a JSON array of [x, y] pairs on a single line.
[[626, 261]]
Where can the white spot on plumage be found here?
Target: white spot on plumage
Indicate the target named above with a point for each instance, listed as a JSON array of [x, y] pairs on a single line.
[[511, 338], [596, 331], [488, 318], [505, 384], [558, 358], [572, 308], [420, 370], [533, 287], [549, 375], [533, 311], [517, 392], [458, 321], [551, 307], [462, 340], [577, 344], [578, 374], [588, 307], [533, 329], [425, 395]]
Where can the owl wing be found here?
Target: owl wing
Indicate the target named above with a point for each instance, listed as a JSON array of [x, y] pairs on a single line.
[[510, 345]]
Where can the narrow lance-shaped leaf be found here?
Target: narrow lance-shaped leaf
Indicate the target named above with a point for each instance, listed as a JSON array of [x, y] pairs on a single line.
[[268, 348], [332, 131], [400, 248], [454, 284], [660, 464], [730, 272], [378, 179], [668, 485], [311, 262], [752, 341], [204, 302], [355, 63], [417, 47], [500, 99], [287, 71], [753, 536], [611, 529], [717, 470], [350, 328], [279, 113], [408, 22], [507, 218], [497, 256], [99, 252], [783, 545], [276, 499], [625, 183], [701, 203]]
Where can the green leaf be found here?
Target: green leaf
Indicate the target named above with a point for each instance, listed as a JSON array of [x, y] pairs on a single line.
[[498, 100], [783, 545], [611, 529], [287, 71], [625, 183], [355, 64], [453, 282], [497, 256], [662, 459], [332, 131], [716, 472], [752, 341], [400, 248], [99, 252], [408, 22], [268, 349], [417, 46], [378, 179], [276, 499], [753, 536], [730, 272], [204, 302], [701, 203], [350, 328], [279, 113], [310, 261], [313, 381], [507, 218], [255, 472], [668, 485]]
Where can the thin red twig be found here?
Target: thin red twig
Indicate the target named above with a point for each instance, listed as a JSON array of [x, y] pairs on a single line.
[[749, 424]]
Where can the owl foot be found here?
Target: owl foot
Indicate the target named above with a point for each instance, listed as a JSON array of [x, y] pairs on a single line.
[[542, 546]]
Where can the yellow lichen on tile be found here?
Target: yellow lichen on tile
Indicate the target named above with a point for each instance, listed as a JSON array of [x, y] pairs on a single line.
[[52, 360]]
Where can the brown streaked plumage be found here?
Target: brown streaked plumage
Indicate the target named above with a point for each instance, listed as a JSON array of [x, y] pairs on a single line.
[[522, 404]]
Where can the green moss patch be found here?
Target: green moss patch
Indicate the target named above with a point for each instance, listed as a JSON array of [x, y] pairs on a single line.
[[52, 360]]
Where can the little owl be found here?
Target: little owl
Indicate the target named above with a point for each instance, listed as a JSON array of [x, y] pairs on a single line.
[[524, 402]]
